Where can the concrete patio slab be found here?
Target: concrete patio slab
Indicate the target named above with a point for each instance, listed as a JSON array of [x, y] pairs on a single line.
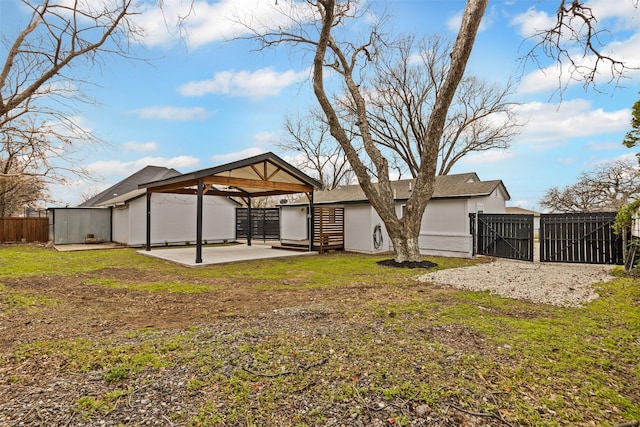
[[220, 254], [87, 247]]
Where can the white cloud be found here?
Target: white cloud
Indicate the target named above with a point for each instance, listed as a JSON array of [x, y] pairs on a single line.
[[549, 125], [532, 22], [567, 160], [521, 203], [238, 155], [179, 114], [453, 23], [265, 138], [555, 75], [200, 22], [487, 157], [616, 17], [119, 168], [255, 85], [140, 147], [604, 145]]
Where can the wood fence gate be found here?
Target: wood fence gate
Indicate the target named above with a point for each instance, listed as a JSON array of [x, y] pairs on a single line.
[[503, 235], [581, 238], [265, 223]]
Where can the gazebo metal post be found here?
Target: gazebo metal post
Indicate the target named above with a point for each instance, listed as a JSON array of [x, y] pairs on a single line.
[[148, 248], [310, 221], [199, 222], [249, 222]]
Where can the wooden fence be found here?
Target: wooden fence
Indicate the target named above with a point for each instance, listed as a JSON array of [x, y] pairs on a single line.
[[24, 229]]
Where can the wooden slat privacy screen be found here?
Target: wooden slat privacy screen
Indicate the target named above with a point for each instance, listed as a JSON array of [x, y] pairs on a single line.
[[328, 228]]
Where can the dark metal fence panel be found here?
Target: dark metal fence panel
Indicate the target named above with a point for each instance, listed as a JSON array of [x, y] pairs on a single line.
[[503, 235], [265, 223], [581, 238]]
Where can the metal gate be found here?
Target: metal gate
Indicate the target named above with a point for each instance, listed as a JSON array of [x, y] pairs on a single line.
[[581, 238], [265, 223], [503, 235]]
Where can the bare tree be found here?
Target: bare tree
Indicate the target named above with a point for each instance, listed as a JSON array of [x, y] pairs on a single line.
[[606, 188], [350, 60], [405, 85], [40, 85], [18, 191], [315, 151], [575, 43]]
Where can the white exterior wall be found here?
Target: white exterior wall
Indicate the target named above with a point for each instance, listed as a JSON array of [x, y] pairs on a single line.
[[444, 231], [173, 220], [445, 228], [293, 223], [360, 221], [495, 203], [120, 224]]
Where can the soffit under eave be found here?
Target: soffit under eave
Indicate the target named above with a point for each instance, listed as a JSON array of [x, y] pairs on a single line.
[[264, 177]]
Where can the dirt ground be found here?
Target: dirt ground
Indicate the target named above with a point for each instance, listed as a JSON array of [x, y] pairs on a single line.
[[99, 311], [226, 313]]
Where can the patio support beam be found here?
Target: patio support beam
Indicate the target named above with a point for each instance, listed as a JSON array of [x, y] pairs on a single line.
[[310, 223], [199, 222], [148, 247], [249, 223]]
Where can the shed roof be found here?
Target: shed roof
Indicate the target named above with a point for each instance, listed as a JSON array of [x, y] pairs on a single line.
[[262, 175], [130, 183], [519, 210], [446, 186]]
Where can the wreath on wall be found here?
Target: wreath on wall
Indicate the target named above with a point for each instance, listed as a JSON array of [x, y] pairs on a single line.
[[377, 236]]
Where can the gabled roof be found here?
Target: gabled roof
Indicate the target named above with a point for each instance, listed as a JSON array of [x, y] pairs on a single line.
[[446, 186], [519, 210], [262, 175], [131, 183]]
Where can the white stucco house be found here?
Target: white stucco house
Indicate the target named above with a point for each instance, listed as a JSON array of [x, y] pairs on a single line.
[[174, 219], [445, 226]]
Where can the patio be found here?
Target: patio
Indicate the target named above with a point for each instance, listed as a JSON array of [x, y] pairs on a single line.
[[221, 254]]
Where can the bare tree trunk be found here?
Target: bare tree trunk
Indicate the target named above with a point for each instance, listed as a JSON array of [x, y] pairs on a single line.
[[404, 233]]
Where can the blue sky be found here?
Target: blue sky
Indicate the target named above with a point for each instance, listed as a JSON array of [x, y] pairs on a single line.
[[200, 100]]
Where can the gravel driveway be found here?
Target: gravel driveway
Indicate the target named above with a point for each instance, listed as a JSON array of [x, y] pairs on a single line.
[[565, 285]]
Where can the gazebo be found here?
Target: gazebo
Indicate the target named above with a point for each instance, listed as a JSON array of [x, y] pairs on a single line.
[[261, 175]]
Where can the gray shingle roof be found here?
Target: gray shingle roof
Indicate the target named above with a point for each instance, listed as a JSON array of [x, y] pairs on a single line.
[[446, 186], [146, 174]]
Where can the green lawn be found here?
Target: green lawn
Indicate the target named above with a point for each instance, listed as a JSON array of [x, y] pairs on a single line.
[[369, 345]]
